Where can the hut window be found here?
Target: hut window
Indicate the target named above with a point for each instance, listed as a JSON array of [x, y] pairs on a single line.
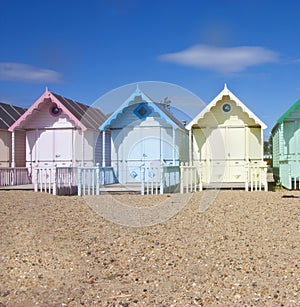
[[55, 110], [226, 107], [142, 110]]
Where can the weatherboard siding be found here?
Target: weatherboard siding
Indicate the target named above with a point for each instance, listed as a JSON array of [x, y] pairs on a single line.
[[42, 118], [20, 145], [5, 148], [224, 143], [149, 141], [99, 149], [286, 147], [276, 152], [217, 117]]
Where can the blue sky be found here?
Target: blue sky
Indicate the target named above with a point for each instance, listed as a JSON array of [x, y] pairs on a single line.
[[84, 49]]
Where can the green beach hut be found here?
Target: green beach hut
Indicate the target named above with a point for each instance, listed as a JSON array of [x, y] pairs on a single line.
[[286, 147]]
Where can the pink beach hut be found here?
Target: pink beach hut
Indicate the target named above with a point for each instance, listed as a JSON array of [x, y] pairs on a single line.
[[61, 132]]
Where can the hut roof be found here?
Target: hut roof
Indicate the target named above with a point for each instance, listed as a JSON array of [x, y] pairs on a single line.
[[9, 114], [84, 116], [139, 96], [286, 114]]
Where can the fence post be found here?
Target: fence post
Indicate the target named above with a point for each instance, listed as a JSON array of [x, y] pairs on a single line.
[[200, 177], [54, 180], [143, 181], [79, 181], [35, 178], [265, 170], [162, 175], [181, 177], [97, 178], [246, 177]]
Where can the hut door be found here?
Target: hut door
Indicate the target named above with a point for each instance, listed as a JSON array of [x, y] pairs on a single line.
[[54, 147], [236, 153], [63, 147], [218, 155], [227, 154], [44, 144]]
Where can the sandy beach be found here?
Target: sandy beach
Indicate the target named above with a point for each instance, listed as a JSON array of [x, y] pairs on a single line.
[[242, 250]]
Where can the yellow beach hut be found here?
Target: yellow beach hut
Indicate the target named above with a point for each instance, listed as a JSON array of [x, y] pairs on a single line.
[[226, 144]]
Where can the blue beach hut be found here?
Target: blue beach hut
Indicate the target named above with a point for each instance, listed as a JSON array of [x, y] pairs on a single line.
[[144, 133]]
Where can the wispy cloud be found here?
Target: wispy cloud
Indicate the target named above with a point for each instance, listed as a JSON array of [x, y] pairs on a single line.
[[18, 72], [221, 59]]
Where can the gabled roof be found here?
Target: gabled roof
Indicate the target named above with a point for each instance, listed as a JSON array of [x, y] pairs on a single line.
[[9, 114], [83, 116], [137, 97], [225, 92], [289, 111], [286, 115]]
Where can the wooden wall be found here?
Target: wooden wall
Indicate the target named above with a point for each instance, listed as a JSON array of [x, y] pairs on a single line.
[[5, 148]]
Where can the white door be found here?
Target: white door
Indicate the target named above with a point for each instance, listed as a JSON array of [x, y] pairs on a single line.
[[63, 147], [217, 166], [44, 147], [227, 148], [236, 154], [50, 147]]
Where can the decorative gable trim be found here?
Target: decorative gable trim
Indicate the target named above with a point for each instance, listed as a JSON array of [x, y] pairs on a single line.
[[143, 101], [47, 96], [225, 92]]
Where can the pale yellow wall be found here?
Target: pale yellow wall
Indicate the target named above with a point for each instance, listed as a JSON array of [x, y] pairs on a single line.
[[235, 130], [255, 143], [232, 137], [216, 116]]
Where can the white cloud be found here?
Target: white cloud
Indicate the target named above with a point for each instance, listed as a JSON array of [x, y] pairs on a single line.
[[221, 59], [26, 73]]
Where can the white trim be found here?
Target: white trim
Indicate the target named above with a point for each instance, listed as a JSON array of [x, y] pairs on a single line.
[[190, 146], [173, 144], [103, 149], [219, 97], [82, 148], [13, 162]]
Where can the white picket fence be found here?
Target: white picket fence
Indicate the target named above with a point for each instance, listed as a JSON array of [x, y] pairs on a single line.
[[12, 176], [257, 175], [191, 177], [160, 179], [72, 180], [89, 180], [154, 179], [44, 179]]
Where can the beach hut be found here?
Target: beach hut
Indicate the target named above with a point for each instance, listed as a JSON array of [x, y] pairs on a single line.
[[61, 132], [286, 147], [144, 133], [8, 115], [226, 141]]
